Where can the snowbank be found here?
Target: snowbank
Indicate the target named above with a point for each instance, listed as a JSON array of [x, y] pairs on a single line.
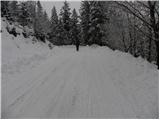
[[19, 52]]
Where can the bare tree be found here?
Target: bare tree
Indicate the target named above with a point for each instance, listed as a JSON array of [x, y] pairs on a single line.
[[151, 21]]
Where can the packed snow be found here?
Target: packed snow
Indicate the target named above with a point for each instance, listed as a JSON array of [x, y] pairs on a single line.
[[95, 82]]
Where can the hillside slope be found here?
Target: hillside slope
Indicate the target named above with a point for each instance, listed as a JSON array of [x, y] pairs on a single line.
[[19, 52]]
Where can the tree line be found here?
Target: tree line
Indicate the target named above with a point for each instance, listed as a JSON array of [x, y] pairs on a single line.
[[129, 26]]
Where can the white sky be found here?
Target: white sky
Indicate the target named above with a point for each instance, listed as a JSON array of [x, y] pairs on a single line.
[[48, 5]]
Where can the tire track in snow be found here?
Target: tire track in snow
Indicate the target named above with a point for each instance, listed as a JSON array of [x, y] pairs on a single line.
[[85, 86], [35, 82], [35, 104], [67, 97]]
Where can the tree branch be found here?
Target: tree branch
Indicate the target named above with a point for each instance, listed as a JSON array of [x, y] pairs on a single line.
[[132, 12], [136, 10]]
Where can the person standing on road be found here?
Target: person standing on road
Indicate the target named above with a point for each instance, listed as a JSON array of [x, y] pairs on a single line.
[[77, 45]]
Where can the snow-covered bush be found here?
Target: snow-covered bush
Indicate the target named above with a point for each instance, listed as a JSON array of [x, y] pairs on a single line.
[[11, 29], [27, 31]]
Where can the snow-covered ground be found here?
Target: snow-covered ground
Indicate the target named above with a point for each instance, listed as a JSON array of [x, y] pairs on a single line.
[[95, 82], [19, 53]]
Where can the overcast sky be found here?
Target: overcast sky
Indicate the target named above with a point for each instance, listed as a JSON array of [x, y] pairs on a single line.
[[48, 5]]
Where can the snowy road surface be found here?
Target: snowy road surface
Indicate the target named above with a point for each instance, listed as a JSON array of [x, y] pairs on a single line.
[[92, 83]]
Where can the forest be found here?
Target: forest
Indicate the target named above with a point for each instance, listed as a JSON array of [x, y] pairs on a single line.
[[128, 26]]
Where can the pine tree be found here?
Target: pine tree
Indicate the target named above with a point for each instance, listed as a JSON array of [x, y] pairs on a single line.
[[74, 29], [66, 21], [13, 10], [97, 18], [92, 21], [24, 17], [39, 10], [85, 21], [46, 23], [38, 27], [4, 8], [54, 26], [54, 16], [60, 33], [31, 7], [65, 14]]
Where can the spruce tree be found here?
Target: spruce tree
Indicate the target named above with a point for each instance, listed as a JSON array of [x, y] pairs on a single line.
[[66, 21], [13, 10], [5, 9], [38, 27], [46, 23], [97, 18], [24, 17], [39, 10], [31, 6], [54, 16], [85, 21], [54, 26], [65, 14], [74, 29], [60, 33]]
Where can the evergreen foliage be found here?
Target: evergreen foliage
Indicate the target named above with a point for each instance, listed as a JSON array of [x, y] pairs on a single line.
[[54, 26], [85, 21], [24, 15], [5, 9], [66, 22], [74, 29]]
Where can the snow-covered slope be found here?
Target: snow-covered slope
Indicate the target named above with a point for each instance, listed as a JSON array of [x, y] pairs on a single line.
[[18, 52], [95, 82]]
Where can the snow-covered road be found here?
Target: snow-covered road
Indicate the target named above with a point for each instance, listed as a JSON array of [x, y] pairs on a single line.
[[92, 83]]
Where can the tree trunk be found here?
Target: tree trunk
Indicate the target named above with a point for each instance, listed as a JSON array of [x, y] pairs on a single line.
[[150, 45], [155, 27]]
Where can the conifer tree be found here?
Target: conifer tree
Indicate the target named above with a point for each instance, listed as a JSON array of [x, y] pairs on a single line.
[[24, 17], [66, 21], [92, 21], [97, 18], [54, 16], [38, 27], [31, 7], [46, 23], [60, 33], [65, 14], [13, 10], [5, 8], [54, 26], [85, 21], [74, 29]]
